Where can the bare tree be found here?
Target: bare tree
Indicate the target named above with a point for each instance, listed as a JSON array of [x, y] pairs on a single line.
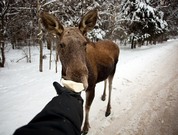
[[4, 5], [40, 36]]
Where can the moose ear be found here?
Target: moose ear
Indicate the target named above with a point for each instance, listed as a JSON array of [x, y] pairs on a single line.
[[88, 21], [51, 24]]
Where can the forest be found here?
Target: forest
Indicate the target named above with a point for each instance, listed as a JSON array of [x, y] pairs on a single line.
[[129, 22]]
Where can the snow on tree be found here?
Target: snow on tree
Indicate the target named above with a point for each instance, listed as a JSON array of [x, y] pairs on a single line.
[[72, 12], [170, 9], [142, 19]]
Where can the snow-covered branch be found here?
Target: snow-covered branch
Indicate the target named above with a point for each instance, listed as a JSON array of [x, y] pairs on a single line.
[[49, 2]]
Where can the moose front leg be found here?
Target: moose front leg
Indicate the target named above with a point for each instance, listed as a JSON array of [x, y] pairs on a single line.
[[90, 93]]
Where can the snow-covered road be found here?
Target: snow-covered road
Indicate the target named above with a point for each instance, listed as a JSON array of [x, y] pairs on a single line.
[[144, 96]]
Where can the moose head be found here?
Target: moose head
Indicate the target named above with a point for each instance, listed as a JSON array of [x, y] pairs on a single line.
[[72, 45]]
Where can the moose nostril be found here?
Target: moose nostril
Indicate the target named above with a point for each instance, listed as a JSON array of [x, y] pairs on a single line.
[[62, 45]]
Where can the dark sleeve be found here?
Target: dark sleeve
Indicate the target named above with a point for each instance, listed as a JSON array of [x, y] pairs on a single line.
[[63, 115]]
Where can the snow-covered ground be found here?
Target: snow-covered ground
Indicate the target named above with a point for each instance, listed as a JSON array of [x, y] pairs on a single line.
[[144, 96]]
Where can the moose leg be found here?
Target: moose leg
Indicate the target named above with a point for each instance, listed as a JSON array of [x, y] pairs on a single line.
[[108, 110], [89, 98], [103, 97]]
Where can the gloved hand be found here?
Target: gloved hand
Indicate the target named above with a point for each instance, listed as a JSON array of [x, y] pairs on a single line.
[[60, 90], [63, 115]]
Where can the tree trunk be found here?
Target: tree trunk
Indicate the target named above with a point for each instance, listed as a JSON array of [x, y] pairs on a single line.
[[2, 46], [40, 38], [133, 43], [2, 62], [29, 52], [56, 55], [41, 56], [50, 56], [49, 44]]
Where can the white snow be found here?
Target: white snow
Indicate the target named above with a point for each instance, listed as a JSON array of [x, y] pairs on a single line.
[[144, 87]]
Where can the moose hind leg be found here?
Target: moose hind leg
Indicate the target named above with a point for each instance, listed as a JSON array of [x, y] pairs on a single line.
[[103, 97], [89, 99], [108, 110]]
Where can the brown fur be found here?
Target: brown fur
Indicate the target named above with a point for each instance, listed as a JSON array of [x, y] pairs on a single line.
[[84, 61], [102, 56]]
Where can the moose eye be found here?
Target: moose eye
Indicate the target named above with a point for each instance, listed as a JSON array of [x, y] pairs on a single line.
[[62, 45], [85, 43]]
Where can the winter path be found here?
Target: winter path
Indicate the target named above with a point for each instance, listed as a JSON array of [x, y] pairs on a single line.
[[144, 97]]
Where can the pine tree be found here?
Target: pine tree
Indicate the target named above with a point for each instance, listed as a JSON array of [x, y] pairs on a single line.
[[144, 21]]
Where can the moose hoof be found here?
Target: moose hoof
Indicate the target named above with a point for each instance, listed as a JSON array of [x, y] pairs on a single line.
[[84, 132], [103, 98], [85, 129], [107, 114]]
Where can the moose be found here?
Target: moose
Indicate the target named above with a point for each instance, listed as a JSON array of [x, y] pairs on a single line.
[[82, 60]]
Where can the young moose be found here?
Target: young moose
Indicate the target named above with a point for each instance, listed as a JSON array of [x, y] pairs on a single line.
[[84, 61]]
